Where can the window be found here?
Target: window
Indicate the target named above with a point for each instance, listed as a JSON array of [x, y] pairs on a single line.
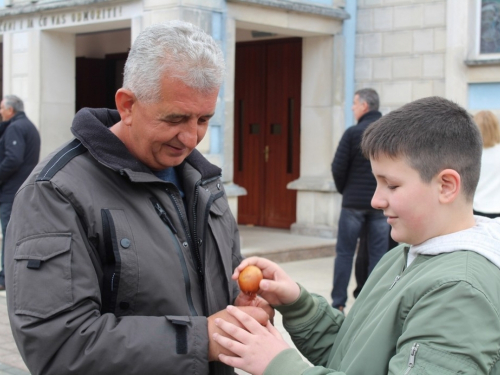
[[490, 27]]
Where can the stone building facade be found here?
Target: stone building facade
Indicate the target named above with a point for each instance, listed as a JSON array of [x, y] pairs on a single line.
[[409, 49]]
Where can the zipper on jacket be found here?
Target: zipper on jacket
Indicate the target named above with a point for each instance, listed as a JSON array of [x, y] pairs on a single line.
[[195, 234], [411, 360], [394, 282], [194, 248], [400, 273], [187, 282]]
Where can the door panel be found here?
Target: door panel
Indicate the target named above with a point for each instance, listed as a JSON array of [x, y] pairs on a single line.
[[267, 125], [249, 129]]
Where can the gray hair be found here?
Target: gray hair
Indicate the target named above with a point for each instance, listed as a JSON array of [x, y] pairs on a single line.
[[179, 49], [370, 97], [14, 102]]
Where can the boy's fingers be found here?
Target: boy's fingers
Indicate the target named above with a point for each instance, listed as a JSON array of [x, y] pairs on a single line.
[[231, 361], [257, 313], [268, 267], [226, 342], [273, 330], [246, 320]]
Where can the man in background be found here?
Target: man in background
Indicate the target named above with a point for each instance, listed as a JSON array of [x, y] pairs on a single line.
[[19, 153], [354, 180]]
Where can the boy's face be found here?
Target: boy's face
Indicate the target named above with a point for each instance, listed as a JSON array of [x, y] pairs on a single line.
[[409, 203]]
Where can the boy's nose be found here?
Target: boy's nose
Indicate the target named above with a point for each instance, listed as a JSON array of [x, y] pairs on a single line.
[[378, 202]]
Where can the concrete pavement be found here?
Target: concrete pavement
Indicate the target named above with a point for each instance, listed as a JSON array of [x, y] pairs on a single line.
[[308, 260]]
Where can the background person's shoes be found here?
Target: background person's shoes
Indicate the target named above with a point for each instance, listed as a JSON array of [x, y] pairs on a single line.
[[2, 287]]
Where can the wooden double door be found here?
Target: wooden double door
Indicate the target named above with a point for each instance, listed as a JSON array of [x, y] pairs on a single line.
[[267, 130]]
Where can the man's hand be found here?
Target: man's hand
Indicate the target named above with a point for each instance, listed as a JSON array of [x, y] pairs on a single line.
[[214, 349], [244, 299]]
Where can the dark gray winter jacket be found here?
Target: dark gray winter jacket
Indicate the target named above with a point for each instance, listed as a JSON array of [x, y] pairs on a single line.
[[108, 272], [19, 153], [351, 171]]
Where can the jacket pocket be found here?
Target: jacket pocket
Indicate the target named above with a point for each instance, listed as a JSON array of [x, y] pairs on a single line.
[[426, 360], [42, 275]]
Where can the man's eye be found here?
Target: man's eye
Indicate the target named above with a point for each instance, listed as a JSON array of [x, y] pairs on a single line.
[[175, 121]]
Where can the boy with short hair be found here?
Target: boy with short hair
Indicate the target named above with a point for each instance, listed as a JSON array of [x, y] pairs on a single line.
[[432, 304]]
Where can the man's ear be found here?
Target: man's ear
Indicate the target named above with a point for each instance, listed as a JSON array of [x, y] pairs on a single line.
[[449, 181], [125, 100]]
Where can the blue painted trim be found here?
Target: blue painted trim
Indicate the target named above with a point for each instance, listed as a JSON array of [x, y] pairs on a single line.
[[349, 33], [484, 96], [215, 126]]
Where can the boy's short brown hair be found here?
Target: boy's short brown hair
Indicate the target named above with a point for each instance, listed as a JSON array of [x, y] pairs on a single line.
[[432, 134]]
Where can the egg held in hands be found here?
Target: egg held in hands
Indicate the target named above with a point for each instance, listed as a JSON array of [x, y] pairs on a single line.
[[249, 280]]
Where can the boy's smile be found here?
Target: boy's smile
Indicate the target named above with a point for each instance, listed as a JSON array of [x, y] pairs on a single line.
[[409, 203]]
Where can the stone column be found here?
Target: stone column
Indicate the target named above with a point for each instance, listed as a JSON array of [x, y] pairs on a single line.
[[57, 91], [322, 123], [40, 69], [457, 38]]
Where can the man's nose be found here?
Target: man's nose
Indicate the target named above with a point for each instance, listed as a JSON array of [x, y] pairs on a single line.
[[189, 134]]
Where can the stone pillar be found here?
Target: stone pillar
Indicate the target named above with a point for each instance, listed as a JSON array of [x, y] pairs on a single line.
[[457, 38], [233, 191], [40, 69], [322, 123], [57, 91]]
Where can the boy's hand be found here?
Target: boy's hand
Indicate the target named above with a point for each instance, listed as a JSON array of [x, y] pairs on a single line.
[[254, 346], [214, 349], [277, 287]]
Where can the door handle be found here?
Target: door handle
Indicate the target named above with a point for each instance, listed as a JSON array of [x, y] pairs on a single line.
[[266, 153]]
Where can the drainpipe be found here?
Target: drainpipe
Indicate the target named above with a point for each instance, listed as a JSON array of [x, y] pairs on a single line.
[[349, 33]]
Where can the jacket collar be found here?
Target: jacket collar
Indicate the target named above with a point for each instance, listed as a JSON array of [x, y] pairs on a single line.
[[4, 124], [371, 116], [91, 127]]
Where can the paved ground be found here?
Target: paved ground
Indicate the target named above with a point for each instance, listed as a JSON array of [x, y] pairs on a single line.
[[314, 274]]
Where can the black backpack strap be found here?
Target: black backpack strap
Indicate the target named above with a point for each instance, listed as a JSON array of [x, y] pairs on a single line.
[[59, 160]]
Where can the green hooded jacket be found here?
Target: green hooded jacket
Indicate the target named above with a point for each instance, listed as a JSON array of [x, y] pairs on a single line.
[[439, 315]]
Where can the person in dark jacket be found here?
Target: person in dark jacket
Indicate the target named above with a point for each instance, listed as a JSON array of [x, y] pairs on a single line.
[[19, 153], [124, 244], [354, 180]]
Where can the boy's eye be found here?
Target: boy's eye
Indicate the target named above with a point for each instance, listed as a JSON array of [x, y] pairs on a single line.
[[391, 187]]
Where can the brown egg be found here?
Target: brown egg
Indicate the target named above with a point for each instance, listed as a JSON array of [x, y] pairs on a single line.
[[249, 279]]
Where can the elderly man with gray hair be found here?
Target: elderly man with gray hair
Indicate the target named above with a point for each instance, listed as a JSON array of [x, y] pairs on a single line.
[[124, 244], [19, 153]]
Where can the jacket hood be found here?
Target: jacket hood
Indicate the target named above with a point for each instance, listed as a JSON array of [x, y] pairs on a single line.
[[483, 238]]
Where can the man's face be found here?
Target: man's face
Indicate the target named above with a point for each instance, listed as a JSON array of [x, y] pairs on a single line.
[[359, 107], [6, 113], [409, 203], [163, 134]]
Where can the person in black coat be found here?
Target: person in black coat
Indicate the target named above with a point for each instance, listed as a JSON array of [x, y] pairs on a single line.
[[354, 180], [19, 154]]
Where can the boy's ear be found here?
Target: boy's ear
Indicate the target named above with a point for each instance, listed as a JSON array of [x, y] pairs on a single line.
[[449, 184], [125, 100]]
